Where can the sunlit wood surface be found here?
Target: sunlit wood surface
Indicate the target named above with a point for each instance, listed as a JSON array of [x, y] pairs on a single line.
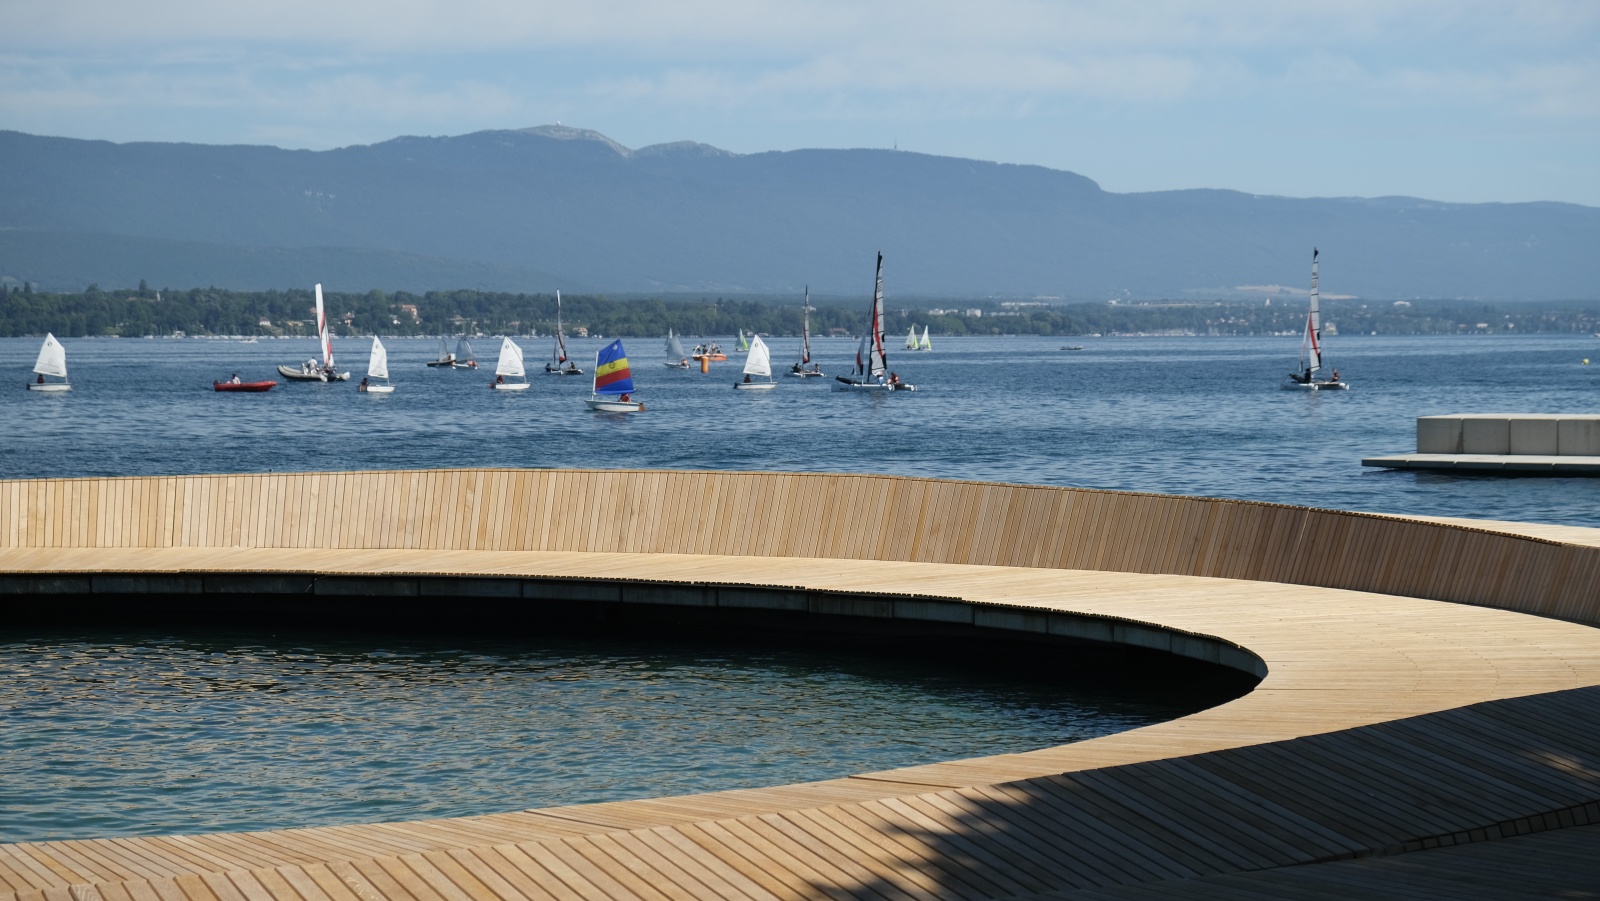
[[1407, 704]]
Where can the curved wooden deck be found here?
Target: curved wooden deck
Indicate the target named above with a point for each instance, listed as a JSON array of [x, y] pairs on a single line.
[[1409, 702]]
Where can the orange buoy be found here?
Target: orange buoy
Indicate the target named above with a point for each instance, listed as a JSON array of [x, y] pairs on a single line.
[[705, 362]]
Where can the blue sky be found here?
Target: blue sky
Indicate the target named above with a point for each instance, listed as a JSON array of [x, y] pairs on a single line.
[[1458, 101]]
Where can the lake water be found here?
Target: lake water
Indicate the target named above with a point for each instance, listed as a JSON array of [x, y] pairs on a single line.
[[106, 734], [1195, 416]]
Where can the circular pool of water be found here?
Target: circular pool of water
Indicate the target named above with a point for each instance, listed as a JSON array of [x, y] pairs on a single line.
[[156, 732]]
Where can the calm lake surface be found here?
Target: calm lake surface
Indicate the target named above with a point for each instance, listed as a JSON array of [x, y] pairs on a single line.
[[1196, 416], [114, 734]]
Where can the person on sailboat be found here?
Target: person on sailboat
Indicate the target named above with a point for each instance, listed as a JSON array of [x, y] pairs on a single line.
[[363, 386], [1335, 375], [498, 380], [747, 378], [40, 380], [894, 379]]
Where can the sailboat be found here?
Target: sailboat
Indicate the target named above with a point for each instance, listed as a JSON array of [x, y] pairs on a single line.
[[510, 365], [377, 368], [757, 368], [465, 358], [744, 343], [1311, 348], [676, 358], [804, 368], [52, 362], [911, 339], [311, 370], [872, 358], [613, 382], [446, 358], [924, 344], [559, 364]]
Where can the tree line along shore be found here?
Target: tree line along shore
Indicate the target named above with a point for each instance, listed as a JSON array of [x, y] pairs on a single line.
[[142, 311]]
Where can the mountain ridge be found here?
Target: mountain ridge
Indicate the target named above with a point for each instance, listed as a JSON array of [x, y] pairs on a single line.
[[569, 206]]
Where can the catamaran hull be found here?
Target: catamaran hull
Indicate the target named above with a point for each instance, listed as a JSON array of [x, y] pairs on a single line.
[[549, 371], [609, 405], [300, 375], [1292, 385], [51, 387], [754, 386], [808, 374], [840, 384]]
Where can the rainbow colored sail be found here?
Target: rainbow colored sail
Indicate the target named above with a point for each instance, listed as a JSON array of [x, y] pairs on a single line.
[[611, 372]]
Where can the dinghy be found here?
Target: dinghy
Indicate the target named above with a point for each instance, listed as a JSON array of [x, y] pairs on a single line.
[[446, 358], [52, 364], [559, 364], [613, 382], [872, 358], [509, 366], [377, 368], [1311, 348], [757, 368], [464, 357], [676, 358]]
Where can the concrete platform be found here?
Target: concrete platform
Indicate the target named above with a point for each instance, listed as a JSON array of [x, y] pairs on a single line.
[[1505, 463]]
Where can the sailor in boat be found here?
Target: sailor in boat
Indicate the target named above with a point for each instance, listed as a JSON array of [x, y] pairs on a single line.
[[894, 380], [1301, 379], [572, 368], [235, 379], [363, 386], [1336, 375], [498, 380], [40, 379], [747, 378]]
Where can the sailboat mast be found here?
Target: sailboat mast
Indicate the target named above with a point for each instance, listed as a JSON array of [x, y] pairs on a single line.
[[561, 340]]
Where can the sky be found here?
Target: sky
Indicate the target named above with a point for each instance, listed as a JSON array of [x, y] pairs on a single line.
[[1452, 100]]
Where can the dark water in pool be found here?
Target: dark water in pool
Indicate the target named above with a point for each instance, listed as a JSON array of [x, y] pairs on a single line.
[[1201, 416], [154, 733]]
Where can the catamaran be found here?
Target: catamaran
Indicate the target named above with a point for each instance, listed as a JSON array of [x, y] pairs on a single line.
[[613, 382], [446, 358], [559, 364], [757, 368], [52, 362], [872, 358], [676, 358], [509, 366], [804, 368], [311, 370], [1311, 348], [377, 368]]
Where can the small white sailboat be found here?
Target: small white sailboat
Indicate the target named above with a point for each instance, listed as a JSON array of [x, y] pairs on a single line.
[[464, 357], [52, 363], [804, 368], [311, 370], [911, 339], [757, 368], [676, 358], [924, 344], [377, 368], [446, 358], [509, 366], [559, 364], [613, 382], [1311, 348], [872, 358]]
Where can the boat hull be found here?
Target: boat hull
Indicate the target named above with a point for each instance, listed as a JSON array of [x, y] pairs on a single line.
[[510, 386], [549, 371], [843, 384], [470, 364], [754, 386], [715, 358], [296, 374], [806, 373], [379, 389], [442, 364], [244, 387], [613, 405], [50, 387], [1316, 386]]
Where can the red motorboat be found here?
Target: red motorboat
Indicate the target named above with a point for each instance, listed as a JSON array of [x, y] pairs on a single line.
[[243, 386]]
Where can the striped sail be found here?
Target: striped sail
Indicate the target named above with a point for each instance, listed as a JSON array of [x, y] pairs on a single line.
[[805, 327], [323, 335], [611, 372], [878, 355], [1313, 340]]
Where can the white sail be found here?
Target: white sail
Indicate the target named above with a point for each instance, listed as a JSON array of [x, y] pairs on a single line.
[[558, 353], [925, 344], [744, 343], [52, 358], [378, 363], [444, 352], [911, 339], [675, 347], [463, 350], [805, 327], [759, 362], [878, 359], [510, 359], [323, 335], [1313, 340]]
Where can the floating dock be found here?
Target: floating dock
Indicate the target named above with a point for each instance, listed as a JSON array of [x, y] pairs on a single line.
[[1427, 721], [1509, 443]]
